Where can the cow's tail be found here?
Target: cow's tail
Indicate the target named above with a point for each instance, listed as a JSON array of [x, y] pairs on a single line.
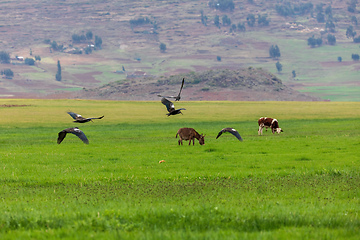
[[176, 135]]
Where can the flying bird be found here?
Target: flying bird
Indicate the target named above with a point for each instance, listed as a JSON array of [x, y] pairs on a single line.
[[79, 119], [177, 98], [232, 131], [170, 107], [75, 131]]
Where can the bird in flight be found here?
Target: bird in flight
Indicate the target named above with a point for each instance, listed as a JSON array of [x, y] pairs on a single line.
[[79, 119], [170, 107], [75, 131], [232, 131], [177, 98]]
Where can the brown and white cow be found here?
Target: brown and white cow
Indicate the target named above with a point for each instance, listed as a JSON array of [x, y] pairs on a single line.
[[272, 123], [190, 134]]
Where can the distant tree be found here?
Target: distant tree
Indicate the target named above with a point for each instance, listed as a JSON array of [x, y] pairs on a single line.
[[58, 73], [30, 52], [241, 27], [162, 47], [4, 57], [98, 42], [312, 41], [352, 6], [355, 57], [293, 73], [320, 17], [328, 10], [330, 26], [233, 28], [222, 5], [331, 39], [88, 50], [350, 33], [278, 66], [284, 10], [56, 47], [218, 58], [38, 58], [226, 21], [250, 19], [76, 38], [7, 72], [274, 51], [47, 41], [357, 40], [139, 21], [89, 35], [339, 59], [262, 20], [29, 61], [203, 18], [354, 20], [217, 21]]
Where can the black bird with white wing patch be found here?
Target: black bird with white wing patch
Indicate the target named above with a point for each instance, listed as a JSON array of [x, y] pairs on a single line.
[[76, 131], [170, 107], [232, 131], [80, 119]]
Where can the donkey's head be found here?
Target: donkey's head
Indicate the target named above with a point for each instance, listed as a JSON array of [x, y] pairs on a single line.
[[201, 139]]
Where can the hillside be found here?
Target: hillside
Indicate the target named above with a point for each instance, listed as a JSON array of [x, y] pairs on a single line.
[[132, 32], [240, 85]]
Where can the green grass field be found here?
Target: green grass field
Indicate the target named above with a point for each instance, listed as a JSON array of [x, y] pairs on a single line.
[[301, 184]]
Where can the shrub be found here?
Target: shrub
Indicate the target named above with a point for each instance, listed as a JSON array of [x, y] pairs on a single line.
[[29, 61]]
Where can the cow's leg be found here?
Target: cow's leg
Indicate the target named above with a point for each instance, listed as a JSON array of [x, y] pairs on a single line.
[[189, 141], [261, 128]]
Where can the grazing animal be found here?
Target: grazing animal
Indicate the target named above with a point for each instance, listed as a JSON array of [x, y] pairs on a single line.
[[177, 98], [190, 134], [75, 131], [232, 131], [170, 107], [79, 119], [272, 123]]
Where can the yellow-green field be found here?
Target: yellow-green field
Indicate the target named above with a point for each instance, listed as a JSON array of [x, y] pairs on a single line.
[[301, 184]]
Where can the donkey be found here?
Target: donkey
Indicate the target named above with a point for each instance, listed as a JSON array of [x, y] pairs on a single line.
[[190, 134]]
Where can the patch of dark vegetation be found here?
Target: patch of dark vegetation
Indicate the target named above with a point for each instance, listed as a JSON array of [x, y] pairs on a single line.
[[303, 158], [14, 105]]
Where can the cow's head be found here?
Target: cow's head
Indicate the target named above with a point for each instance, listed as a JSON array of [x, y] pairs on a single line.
[[279, 130], [201, 139]]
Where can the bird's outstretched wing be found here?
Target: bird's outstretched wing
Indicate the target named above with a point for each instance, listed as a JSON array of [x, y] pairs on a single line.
[[232, 131], [81, 135], [76, 131], [73, 115], [182, 85], [96, 117], [177, 98], [61, 137], [169, 105]]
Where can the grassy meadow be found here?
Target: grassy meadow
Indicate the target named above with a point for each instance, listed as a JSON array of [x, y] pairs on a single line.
[[301, 184]]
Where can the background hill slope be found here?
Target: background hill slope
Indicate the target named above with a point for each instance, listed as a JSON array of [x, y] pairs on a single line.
[[132, 32]]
